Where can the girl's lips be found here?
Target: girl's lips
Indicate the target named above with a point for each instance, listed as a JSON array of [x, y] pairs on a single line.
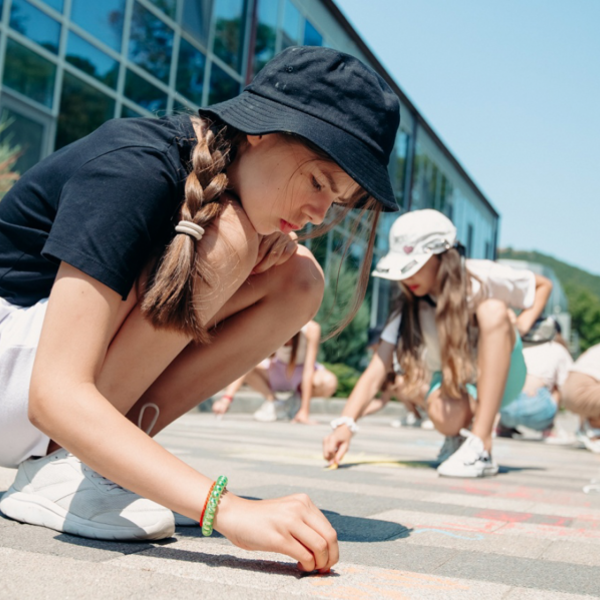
[[412, 288], [287, 227]]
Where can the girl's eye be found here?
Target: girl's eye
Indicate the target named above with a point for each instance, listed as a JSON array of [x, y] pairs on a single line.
[[316, 184]]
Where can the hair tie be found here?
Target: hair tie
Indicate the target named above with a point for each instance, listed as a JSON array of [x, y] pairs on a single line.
[[190, 228]]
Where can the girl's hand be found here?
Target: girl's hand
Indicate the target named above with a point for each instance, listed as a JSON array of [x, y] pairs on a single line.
[[291, 525], [336, 444], [274, 250], [221, 406]]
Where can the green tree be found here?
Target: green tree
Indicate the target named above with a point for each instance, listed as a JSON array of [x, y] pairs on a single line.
[[8, 157], [349, 345], [585, 314]]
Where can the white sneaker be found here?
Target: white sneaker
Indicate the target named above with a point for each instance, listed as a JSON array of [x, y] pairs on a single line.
[[589, 437], [470, 460], [451, 444], [427, 424], [266, 413], [60, 492]]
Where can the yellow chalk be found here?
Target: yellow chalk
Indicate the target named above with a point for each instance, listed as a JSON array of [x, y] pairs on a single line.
[[332, 467]]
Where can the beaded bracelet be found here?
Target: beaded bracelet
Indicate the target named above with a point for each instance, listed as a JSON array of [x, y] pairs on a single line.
[[212, 502], [212, 487]]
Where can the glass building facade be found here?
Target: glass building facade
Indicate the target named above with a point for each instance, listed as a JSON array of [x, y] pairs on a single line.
[[66, 66]]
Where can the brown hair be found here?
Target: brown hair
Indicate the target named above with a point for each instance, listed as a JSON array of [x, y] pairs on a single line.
[[456, 326], [168, 300], [289, 371]]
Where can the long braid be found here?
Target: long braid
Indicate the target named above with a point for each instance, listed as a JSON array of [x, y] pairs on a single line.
[[169, 301]]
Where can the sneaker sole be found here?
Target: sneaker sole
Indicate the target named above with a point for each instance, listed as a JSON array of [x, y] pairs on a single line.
[[472, 474], [31, 510], [587, 443]]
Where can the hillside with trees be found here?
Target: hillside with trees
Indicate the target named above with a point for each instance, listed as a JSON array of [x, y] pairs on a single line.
[[581, 288]]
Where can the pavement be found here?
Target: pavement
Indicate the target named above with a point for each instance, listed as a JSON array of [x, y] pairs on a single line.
[[530, 533]]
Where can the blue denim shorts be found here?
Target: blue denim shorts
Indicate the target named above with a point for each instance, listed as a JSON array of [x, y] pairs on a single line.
[[536, 412]]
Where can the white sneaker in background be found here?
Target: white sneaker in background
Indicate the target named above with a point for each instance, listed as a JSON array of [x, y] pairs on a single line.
[[60, 492], [557, 437], [451, 444], [266, 413], [470, 460], [589, 437], [427, 424]]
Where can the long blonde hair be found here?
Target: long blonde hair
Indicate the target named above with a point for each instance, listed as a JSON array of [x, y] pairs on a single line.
[[455, 323], [168, 300]]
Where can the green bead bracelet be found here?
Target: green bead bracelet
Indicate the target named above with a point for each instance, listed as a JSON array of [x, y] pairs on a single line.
[[212, 505]]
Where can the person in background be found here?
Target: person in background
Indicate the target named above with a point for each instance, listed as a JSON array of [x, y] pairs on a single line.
[[453, 322], [548, 360], [293, 368], [581, 395]]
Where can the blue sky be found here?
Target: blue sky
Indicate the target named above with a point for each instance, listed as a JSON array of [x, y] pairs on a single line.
[[513, 89]]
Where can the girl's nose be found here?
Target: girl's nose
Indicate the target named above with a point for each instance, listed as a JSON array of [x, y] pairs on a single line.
[[317, 211]]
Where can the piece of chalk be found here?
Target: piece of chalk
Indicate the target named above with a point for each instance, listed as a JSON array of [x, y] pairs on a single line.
[[332, 467]]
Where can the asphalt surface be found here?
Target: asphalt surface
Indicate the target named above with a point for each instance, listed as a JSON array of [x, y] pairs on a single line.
[[529, 533]]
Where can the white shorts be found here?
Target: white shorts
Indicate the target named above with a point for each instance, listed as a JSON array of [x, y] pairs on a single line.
[[20, 330]]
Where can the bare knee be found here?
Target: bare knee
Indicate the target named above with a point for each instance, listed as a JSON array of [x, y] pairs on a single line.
[[449, 415], [328, 384]]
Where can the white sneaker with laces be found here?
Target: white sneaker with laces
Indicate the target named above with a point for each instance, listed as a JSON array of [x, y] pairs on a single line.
[[470, 460], [60, 492], [451, 444]]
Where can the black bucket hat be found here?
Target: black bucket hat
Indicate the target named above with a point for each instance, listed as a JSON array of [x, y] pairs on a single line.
[[331, 99]]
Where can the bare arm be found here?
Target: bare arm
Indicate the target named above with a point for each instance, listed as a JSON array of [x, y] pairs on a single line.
[[543, 289], [74, 398], [313, 338], [337, 443]]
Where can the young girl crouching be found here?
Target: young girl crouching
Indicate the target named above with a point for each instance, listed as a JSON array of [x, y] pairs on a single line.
[[452, 323], [145, 267]]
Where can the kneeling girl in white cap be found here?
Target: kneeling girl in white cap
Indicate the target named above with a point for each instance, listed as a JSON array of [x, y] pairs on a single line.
[[451, 324]]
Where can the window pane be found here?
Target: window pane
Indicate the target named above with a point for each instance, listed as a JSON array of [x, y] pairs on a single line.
[[291, 25], [150, 43], [229, 32], [91, 60], [25, 133], [190, 72], [167, 6], [129, 113], [28, 73], [83, 109], [140, 90], [35, 24], [222, 87], [196, 19], [103, 20], [266, 33], [397, 166], [311, 36], [55, 4]]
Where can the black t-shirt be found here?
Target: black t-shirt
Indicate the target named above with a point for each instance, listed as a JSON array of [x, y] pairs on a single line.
[[103, 204]]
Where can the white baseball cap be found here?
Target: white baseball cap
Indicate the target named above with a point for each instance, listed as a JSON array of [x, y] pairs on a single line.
[[414, 238]]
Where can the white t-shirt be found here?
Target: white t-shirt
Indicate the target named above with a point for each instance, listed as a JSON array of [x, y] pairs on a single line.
[[515, 287], [549, 361], [588, 363], [284, 354]]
